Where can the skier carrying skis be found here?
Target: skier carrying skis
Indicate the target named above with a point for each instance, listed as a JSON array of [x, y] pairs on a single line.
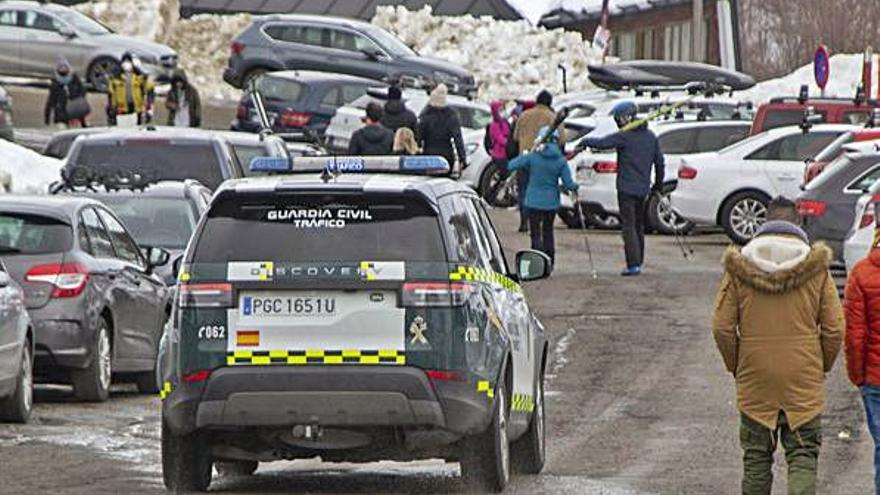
[[637, 151]]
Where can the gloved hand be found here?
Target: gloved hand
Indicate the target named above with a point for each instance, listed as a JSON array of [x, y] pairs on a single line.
[[574, 196]]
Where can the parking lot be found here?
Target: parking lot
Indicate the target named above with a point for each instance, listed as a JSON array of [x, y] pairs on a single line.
[[638, 401]]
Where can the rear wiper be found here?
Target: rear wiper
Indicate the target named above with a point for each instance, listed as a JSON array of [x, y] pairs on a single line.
[[9, 250]]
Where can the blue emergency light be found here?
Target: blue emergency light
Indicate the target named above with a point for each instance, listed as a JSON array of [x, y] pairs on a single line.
[[270, 164]]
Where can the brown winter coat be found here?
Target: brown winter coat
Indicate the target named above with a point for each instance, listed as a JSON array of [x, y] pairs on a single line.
[[779, 333], [530, 122]]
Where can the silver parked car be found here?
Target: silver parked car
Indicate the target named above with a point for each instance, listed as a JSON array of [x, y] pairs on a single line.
[[33, 35], [16, 352]]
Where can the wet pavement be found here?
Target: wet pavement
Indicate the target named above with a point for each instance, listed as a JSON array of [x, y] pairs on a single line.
[[638, 402]]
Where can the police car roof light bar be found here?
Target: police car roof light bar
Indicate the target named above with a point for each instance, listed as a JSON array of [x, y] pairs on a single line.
[[411, 165]]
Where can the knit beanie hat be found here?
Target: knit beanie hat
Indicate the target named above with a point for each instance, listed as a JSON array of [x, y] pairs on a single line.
[[781, 227], [438, 96], [394, 93], [545, 98]]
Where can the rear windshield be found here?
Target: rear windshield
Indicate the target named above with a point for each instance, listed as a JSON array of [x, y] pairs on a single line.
[[277, 88], [321, 227], [832, 151], [152, 221], [33, 234], [782, 118], [155, 159]]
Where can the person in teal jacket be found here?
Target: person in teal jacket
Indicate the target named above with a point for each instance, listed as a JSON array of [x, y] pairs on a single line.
[[546, 167]]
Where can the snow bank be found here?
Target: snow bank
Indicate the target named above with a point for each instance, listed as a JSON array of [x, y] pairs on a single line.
[[29, 171], [508, 58], [534, 10], [846, 74]]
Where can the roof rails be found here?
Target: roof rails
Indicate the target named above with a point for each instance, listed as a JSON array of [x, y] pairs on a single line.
[[803, 98]]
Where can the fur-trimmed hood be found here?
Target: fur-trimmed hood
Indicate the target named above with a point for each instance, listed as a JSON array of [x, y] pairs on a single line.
[[775, 265]]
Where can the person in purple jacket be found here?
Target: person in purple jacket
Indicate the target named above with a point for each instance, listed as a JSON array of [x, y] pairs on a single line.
[[495, 142]]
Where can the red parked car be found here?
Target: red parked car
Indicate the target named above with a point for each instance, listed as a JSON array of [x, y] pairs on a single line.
[[780, 112]]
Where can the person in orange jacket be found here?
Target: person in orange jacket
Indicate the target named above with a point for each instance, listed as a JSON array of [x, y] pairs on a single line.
[[862, 344]]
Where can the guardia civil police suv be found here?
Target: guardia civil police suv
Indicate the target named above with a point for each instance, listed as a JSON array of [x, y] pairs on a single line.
[[356, 316]]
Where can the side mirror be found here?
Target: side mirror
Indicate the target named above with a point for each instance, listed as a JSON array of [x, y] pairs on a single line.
[[156, 257], [67, 32], [4, 280], [372, 54], [532, 265]]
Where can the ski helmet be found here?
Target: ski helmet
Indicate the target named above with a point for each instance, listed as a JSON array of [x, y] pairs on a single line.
[[624, 112], [548, 134]]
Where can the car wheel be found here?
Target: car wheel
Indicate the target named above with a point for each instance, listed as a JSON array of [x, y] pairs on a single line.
[[250, 76], [530, 452], [101, 71], [186, 461], [743, 214], [17, 407], [236, 468], [603, 221], [571, 219], [93, 383], [485, 464], [499, 188], [662, 218]]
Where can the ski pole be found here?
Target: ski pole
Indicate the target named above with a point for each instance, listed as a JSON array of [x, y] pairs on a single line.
[[580, 211], [676, 233]]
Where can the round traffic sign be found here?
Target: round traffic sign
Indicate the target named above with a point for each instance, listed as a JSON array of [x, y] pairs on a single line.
[[821, 66]]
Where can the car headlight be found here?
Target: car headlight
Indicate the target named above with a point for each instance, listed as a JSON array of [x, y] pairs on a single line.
[[147, 58]]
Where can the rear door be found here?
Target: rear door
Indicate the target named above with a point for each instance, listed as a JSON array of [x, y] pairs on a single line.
[[328, 289], [783, 160]]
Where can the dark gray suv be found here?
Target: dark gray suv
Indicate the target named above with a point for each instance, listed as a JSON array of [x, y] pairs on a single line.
[[342, 46], [97, 307]]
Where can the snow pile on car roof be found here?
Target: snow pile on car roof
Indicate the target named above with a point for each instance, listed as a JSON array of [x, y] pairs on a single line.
[[508, 58], [26, 171], [846, 74]]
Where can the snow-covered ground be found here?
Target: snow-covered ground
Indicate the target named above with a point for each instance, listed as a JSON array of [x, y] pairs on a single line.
[[508, 58], [846, 74], [28, 171]]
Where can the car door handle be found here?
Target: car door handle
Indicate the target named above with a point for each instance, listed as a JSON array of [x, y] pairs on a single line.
[[786, 177]]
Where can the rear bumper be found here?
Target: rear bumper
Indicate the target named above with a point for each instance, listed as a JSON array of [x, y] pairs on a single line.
[[694, 206], [329, 396], [61, 336], [232, 77]]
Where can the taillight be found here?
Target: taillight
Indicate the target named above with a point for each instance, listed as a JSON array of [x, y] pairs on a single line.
[[605, 167], [205, 295], [67, 279], [236, 47], [242, 112], [811, 208], [427, 294], [687, 173], [868, 217], [289, 118], [196, 376]]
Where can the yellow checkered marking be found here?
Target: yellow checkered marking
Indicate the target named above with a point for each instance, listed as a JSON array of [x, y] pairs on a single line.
[[474, 274], [315, 356], [485, 387], [522, 402], [166, 389]]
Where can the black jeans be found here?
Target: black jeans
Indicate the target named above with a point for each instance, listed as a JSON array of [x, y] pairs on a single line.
[[522, 181], [632, 225], [541, 232]]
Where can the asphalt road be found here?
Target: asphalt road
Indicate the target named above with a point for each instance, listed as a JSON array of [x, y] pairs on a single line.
[[638, 402]]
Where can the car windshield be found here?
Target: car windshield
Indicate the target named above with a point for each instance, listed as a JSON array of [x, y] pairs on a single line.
[[389, 42], [473, 118], [321, 227], [154, 221], [156, 159], [22, 233], [81, 22]]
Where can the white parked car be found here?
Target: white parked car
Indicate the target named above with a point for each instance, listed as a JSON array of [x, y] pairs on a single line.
[[471, 114], [733, 186], [867, 219], [596, 170]]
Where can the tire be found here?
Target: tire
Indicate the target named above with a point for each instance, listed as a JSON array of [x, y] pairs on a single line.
[[17, 407], [236, 468], [100, 71], [742, 214], [485, 463], [186, 461], [496, 189], [93, 383], [603, 221], [663, 220], [530, 451], [570, 218]]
